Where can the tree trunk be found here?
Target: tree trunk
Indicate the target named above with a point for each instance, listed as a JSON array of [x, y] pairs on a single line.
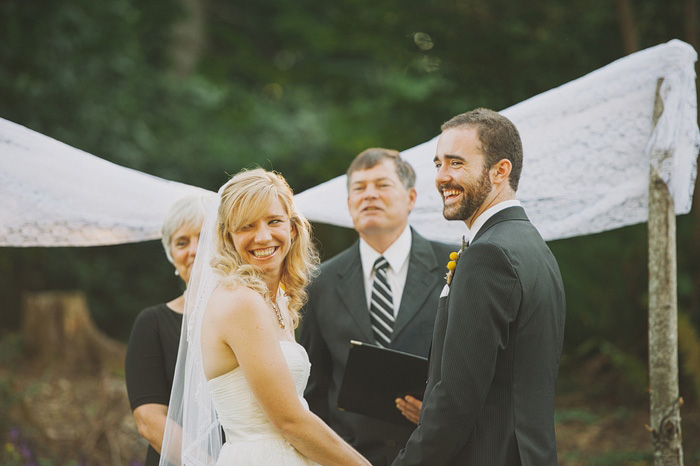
[[627, 26], [690, 22], [188, 38], [57, 328], [663, 319]]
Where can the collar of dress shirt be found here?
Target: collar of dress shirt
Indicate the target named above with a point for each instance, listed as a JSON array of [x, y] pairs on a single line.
[[396, 254], [487, 214]]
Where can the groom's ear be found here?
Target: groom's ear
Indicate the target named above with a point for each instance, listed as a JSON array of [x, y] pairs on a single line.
[[500, 171]]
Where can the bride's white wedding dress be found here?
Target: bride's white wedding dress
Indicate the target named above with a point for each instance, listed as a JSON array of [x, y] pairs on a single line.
[[250, 437]]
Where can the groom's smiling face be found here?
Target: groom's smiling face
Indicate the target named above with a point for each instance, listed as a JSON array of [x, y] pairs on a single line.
[[462, 180]]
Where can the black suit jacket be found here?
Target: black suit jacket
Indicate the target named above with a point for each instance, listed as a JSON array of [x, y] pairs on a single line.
[[336, 312], [495, 355]]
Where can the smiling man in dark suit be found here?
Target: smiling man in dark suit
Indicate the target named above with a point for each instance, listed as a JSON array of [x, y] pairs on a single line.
[[346, 302], [500, 323]]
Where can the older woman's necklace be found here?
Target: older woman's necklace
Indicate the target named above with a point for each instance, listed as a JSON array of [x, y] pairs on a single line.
[[280, 319]]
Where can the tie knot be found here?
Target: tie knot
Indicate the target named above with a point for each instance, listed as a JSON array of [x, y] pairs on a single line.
[[380, 263]]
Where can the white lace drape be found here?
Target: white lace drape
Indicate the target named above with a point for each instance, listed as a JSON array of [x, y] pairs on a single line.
[[588, 146], [52, 194]]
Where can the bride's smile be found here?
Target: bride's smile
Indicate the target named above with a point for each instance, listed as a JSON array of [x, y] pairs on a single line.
[[266, 241], [264, 253]]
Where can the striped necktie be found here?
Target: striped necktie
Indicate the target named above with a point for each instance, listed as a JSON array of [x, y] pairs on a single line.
[[381, 307]]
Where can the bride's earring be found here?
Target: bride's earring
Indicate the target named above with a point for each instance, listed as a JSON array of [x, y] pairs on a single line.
[[176, 273]]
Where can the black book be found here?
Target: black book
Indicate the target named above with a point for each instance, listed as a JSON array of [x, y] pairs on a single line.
[[374, 377]]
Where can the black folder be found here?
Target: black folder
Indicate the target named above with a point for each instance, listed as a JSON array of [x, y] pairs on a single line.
[[374, 377]]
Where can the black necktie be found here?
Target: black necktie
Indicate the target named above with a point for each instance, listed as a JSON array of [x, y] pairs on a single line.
[[381, 307]]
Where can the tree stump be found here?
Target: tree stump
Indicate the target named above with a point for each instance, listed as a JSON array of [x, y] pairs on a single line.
[[57, 329]]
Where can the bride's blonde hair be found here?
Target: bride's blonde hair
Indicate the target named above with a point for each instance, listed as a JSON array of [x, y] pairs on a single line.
[[245, 199]]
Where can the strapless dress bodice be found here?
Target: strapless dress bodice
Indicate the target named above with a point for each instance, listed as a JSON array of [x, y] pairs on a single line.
[[250, 437]]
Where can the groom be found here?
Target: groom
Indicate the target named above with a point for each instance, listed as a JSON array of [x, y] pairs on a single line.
[[499, 329]]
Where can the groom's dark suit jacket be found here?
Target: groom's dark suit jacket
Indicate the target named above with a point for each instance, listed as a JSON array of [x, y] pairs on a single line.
[[336, 312], [495, 355]]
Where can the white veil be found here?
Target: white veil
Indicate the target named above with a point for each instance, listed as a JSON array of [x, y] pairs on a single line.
[[192, 432]]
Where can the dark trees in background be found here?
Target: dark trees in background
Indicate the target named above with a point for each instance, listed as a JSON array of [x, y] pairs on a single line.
[[302, 87]]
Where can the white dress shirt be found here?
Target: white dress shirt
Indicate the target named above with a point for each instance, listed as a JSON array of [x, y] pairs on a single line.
[[397, 256]]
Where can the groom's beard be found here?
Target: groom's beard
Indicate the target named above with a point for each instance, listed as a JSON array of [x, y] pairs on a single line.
[[473, 195]]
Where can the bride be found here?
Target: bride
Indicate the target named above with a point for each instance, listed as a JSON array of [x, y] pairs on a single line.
[[239, 367]]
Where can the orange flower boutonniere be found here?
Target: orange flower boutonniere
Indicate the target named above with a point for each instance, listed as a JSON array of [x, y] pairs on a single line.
[[452, 264]]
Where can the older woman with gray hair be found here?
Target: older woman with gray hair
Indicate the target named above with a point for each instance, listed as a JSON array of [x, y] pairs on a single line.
[[155, 336]]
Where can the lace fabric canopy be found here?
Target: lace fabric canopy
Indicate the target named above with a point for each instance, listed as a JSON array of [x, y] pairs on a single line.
[[52, 194], [588, 146]]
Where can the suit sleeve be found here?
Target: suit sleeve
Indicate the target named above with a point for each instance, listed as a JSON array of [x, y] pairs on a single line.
[[484, 298], [310, 336]]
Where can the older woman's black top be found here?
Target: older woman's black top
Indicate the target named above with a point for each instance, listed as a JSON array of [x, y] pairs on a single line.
[[150, 360]]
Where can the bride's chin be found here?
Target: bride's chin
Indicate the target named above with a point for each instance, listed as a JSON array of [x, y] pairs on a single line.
[[269, 267]]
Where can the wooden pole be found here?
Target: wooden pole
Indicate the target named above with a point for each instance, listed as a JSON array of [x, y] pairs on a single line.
[[663, 318]]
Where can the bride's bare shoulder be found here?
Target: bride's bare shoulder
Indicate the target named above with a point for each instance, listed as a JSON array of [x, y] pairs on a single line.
[[227, 299]]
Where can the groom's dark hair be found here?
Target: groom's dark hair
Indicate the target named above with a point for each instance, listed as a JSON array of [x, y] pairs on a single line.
[[498, 136]]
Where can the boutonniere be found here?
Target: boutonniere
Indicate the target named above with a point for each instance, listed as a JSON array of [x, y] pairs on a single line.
[[452, 264]]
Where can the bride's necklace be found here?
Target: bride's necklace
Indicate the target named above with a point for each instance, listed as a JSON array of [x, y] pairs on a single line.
[[280, 319]]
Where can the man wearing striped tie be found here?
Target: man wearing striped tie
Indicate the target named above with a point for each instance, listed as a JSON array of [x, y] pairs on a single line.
[[383, 290]]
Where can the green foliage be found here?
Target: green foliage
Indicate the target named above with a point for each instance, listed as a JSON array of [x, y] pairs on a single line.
[[10, 349], [689, 352], [15, 449], [301, 87], [613, 458], [578, 415], [616, 373], [606, 280]]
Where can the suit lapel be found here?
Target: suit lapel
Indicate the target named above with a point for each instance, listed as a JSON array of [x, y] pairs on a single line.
[[419, 282], [510, 213], [351, 289]]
